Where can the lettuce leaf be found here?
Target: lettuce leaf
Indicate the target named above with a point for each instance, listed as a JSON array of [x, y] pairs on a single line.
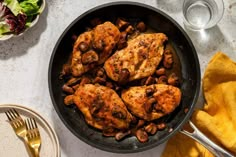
[[14, 6], [30, 7], [9, 22], [4, 28]]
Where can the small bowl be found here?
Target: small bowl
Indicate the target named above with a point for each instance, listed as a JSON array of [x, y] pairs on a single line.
[[9, 36]]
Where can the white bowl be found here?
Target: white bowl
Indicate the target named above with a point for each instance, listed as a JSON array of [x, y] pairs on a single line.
[[8, 36]]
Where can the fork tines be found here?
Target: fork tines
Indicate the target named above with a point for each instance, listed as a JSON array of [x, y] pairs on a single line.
[[31, 125], [12, 114]]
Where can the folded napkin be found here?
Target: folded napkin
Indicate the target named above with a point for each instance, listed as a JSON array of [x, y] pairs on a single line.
[[217, 120]]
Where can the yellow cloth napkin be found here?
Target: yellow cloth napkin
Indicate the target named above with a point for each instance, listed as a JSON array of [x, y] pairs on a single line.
[[218, 118]]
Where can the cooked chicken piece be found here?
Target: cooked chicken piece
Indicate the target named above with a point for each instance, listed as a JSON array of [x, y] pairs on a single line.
[[82, 44], [105, 38], [93, 47], [141, 57], [151, 102], [102, 107]]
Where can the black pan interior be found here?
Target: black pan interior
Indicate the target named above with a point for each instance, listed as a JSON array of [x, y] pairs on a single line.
[[155, 19]]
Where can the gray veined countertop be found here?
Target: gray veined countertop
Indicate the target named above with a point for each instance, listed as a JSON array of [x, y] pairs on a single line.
[[24, 62]]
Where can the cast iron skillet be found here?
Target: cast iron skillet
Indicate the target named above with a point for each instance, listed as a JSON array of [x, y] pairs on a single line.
[[159, 21]]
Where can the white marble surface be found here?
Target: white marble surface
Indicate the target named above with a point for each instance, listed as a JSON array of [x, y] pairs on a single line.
[[24, 62]]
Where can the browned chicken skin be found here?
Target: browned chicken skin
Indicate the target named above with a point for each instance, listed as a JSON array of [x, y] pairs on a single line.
[[151, 102], [102, 107], [93, 47], [141, 57]]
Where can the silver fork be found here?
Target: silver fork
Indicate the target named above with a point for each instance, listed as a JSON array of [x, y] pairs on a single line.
[[33, 136]]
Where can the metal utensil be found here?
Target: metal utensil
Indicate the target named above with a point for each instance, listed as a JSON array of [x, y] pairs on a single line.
[[33, 136], [206, 142], [18, 125]]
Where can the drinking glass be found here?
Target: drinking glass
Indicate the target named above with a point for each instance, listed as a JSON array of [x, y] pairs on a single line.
[[202, 14]]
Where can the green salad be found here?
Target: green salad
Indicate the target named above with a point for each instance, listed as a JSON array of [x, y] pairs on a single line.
[[17, 15]]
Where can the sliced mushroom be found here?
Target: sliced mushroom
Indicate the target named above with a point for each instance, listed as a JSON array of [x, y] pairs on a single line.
[[99, 45], [149, 105], [100, 72], [83, 46], [162, 80], [121, 23], [141, 26], [129, 29], [124, 76], [160, 71], [150, 80], [73, 81], [85, 80], [67, 89], [68, 100], [120, 135], [149, 91], [151, 128], [161, 126], [65, 70], [123, 41], [89, 57], [168, 59], [173, 79], [141, 135]]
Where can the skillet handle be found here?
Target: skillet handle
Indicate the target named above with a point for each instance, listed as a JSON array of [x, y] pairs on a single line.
[[206, 142]]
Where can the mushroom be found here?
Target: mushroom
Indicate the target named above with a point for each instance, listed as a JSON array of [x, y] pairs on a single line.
[[83, 46], [149, 105], [123, 41], [160, 71], [129, 29], [151, 128], [67, 89], [173, 79], [149, 91], [121, 23], [162, 80], [85, 80], [123, 76], [168, 59], [161, 126], [150, 80], [141, 26], [89, 57], [120, 135], [65, 70], [141, 135], [68, 100]]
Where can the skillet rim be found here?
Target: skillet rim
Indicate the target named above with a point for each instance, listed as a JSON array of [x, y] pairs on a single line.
[[194, 53]]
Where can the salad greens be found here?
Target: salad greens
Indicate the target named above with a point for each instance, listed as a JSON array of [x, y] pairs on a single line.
[[16, 15]]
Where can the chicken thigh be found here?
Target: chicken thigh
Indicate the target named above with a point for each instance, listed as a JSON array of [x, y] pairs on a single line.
[[102, 107], [140, 58], [151, 102]]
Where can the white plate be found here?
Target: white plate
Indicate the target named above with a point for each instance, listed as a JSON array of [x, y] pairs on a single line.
[[12, 146]]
